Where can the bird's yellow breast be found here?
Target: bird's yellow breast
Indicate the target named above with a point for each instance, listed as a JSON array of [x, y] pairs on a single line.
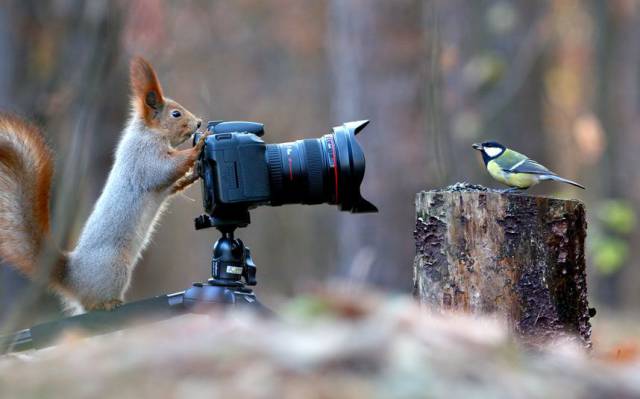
[[520, 180]]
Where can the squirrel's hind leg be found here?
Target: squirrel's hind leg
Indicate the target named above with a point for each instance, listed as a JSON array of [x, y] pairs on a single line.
[[108, 305], [70, 306]]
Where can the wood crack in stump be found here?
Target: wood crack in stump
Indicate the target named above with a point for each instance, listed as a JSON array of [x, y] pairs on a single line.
[[518, 256]]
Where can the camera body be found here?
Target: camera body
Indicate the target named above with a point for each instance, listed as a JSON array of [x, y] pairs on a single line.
[[239, 171], [232, 166]]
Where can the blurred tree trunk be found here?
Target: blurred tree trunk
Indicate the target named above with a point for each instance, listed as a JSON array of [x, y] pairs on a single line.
[[621, 108], [7, 51], [58, 79], [366, 42], [567, 79]]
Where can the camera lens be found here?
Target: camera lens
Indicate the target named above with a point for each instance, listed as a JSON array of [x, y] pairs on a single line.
[[325, 170]]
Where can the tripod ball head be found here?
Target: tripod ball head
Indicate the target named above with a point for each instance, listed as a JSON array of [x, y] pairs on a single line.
[[231, 261]]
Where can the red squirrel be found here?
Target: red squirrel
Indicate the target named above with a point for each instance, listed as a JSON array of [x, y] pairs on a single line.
[[147, 170]]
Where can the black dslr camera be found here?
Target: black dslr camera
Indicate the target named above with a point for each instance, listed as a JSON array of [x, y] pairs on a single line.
[[240, 172]]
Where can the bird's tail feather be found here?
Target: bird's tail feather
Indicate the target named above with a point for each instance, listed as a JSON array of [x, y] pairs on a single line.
[[563, 180]]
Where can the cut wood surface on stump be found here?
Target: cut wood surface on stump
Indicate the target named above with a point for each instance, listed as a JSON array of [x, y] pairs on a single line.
[[519, 256]]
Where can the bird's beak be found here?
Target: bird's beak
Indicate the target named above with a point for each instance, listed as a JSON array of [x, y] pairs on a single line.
[[477, 147]]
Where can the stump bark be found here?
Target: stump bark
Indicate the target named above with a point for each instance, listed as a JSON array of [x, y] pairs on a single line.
[[518, 256]]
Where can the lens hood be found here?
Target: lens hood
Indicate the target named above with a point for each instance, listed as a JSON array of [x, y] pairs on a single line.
[[352, 166]]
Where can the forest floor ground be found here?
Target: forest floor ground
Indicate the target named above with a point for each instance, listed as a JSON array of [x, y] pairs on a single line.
[[328, 345]]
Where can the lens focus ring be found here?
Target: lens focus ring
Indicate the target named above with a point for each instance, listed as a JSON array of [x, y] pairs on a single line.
[[274, 161], [313, 152]]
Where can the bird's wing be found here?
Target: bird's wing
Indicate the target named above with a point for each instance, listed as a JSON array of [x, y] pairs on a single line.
[[531, 167], [514, 162]]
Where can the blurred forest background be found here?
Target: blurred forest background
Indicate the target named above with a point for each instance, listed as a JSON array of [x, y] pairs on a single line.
[[558, 80]]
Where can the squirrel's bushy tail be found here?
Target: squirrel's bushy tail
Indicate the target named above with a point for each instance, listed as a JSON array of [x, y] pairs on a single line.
[[26, 170]]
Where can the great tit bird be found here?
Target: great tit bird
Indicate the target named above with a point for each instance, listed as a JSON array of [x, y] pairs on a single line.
[[514, 169]]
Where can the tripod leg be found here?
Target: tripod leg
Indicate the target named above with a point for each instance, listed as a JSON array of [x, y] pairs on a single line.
[[96, 322], [251, 302]]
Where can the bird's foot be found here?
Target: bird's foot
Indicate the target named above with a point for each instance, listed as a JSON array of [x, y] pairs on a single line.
[[513, 190]]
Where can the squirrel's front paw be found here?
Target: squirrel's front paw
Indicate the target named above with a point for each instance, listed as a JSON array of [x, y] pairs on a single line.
[[108, 305], [200, 144]]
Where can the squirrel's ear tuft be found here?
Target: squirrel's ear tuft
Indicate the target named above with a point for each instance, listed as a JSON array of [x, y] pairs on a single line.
[[147, 92]]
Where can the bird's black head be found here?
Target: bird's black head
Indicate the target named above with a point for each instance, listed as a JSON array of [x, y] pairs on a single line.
[[490, 150]]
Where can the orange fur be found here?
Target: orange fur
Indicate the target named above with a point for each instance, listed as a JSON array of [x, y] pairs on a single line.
[[26, 170], [147, 93], [185, 175]]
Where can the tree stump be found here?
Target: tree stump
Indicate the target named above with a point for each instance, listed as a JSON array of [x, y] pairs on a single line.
[[519, 256]]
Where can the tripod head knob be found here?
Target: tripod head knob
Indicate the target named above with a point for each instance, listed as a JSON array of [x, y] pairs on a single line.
[[249, 272]]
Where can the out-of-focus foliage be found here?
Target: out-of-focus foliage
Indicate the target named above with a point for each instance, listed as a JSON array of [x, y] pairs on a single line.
[[608, 243], [617, 216], [609, 254]]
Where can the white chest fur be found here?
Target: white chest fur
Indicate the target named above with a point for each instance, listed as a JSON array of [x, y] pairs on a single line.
[[123, 218]]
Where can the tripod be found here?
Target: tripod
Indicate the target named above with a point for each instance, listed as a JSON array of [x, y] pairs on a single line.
[[232, 272]]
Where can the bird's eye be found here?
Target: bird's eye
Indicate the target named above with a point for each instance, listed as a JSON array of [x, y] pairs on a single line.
[[176, 114]]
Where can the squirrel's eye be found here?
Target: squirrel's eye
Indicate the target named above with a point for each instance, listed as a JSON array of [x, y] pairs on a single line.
[[176, 114]]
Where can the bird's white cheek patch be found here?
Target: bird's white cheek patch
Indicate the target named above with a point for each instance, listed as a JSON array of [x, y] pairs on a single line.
[[492, 151]]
